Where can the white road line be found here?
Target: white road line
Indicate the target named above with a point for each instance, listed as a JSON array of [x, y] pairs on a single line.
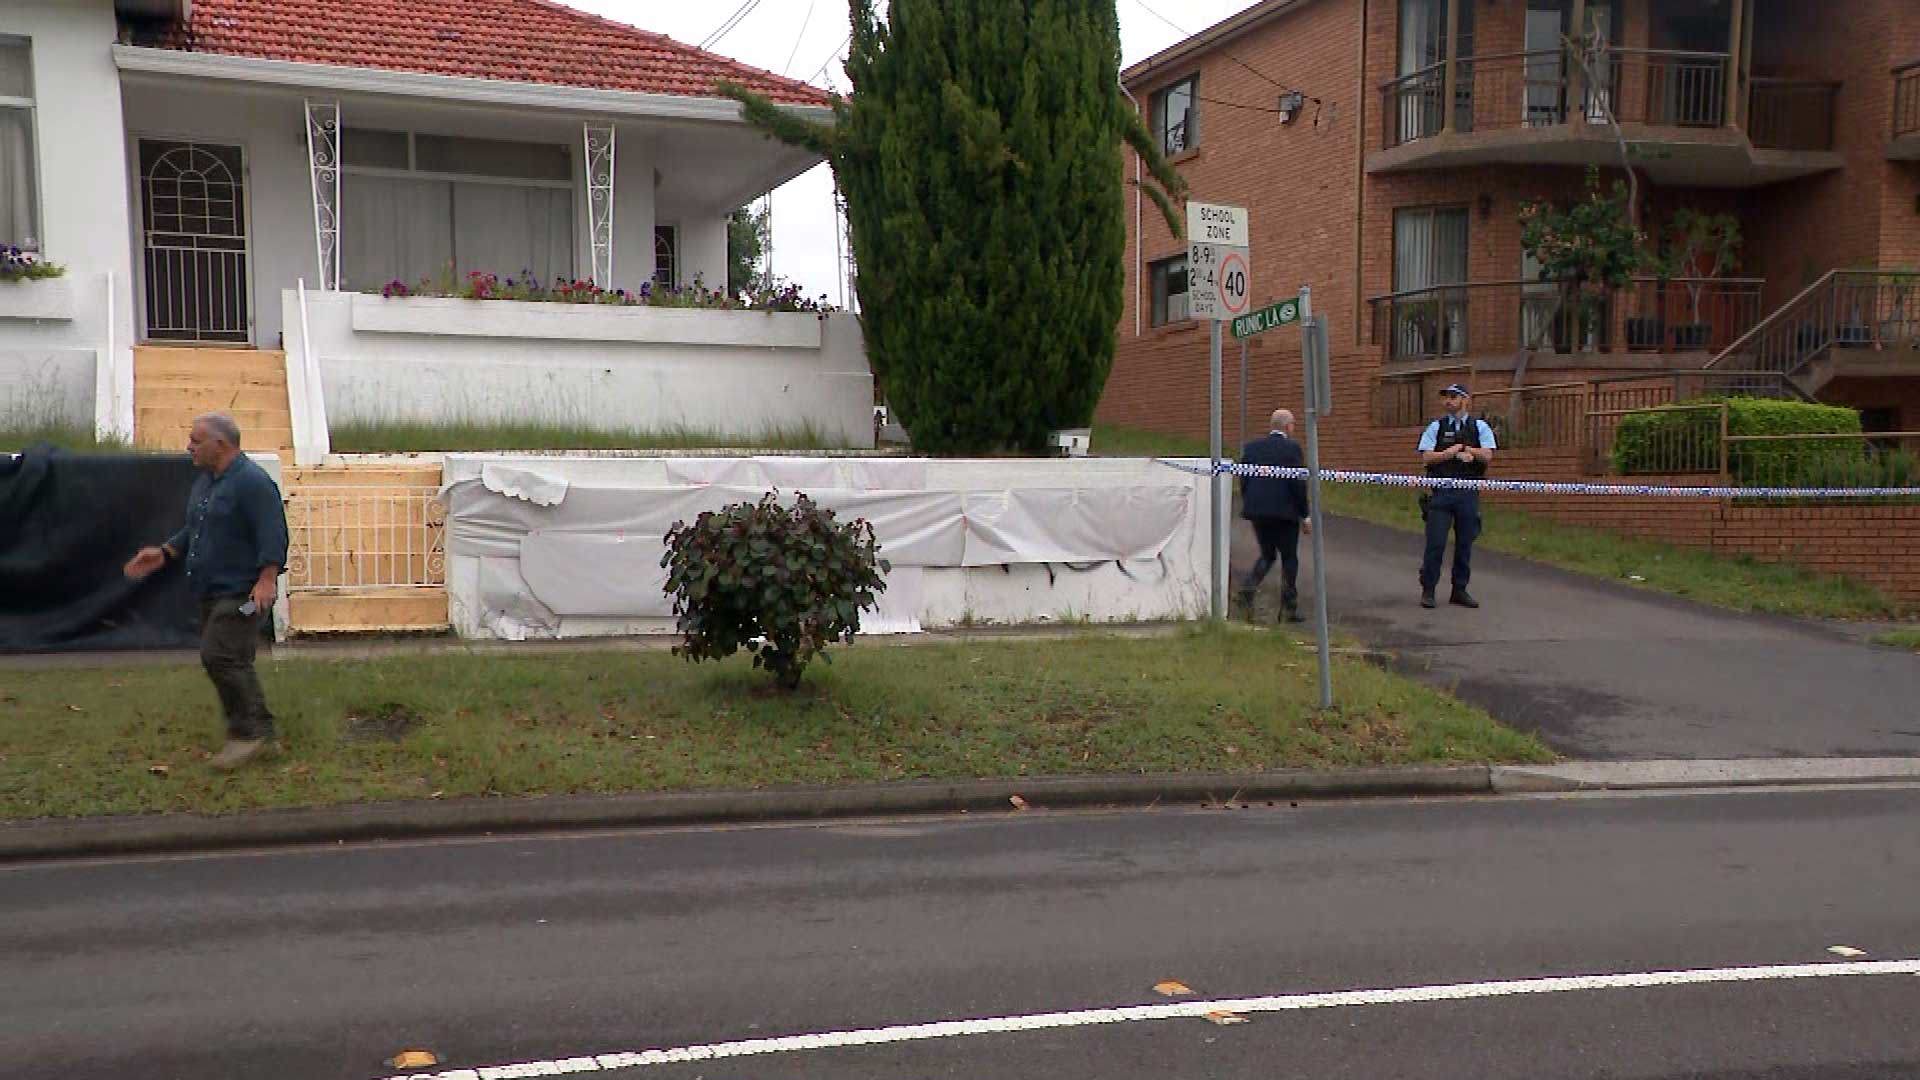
[[949, 1029]]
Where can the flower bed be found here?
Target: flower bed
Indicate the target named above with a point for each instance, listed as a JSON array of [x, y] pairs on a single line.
[[479, 285], [18, 265]]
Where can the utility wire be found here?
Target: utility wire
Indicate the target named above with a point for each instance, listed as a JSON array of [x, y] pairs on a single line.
[[788, 66], [828, 62], [734, 20], [1184, 33]]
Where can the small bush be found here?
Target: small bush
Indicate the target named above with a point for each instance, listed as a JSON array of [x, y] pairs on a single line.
[[784, 583], [1679, 439]]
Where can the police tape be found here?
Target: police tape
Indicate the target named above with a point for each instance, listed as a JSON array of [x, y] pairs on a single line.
[[1542, 487]]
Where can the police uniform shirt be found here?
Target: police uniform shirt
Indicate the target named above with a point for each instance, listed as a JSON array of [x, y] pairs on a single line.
[[1430, 441]]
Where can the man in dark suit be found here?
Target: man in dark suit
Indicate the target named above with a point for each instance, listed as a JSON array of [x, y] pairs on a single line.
[[1278, 510]]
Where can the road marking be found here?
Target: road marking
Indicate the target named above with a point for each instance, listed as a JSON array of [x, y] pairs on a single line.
[[1847, 951], [1185, 1010]]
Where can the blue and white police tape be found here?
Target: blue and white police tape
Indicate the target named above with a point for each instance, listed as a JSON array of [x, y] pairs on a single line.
[[1544, 487]]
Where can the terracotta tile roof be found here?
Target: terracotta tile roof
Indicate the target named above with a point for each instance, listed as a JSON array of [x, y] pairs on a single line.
[[533, 41]]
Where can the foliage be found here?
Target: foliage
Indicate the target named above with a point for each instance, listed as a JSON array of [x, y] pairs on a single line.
[[1707, 245], [749, 234], [980, 157], [1591, 246], [1685, 438], [783, 582], [19, 265], [480, 285]]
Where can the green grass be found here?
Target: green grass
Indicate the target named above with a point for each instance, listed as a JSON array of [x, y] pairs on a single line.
[[1900, 639], [494, 723], [1737, 583], [16, 437], [404, 438]]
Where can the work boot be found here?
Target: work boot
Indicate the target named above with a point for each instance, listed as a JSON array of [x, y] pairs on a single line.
[[1426, 598], [1460, 597], [236, 753]]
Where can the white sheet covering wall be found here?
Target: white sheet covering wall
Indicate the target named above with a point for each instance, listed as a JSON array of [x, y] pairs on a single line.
[[550, 544]]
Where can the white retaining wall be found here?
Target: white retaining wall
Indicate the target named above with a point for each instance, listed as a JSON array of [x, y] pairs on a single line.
[[620, 368], [1172, 586]]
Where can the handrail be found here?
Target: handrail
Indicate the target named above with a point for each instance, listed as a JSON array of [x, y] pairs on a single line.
[[1765, 80], [1766, 324], [1677, 54], [1535, 54], [1637, 280]]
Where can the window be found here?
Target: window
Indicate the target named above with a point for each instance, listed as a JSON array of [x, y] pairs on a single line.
[[1429, 252], [666, 249], [19, 194], [1176, 116], [423, 206], [1170, 290]]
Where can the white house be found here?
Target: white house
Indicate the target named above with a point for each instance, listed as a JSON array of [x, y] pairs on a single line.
[[248, 174]]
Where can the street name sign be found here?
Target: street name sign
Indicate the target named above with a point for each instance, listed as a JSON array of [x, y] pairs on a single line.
[[1271, 317]]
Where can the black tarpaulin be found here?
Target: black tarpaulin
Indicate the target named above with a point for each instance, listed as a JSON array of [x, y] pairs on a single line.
[[68, 523]]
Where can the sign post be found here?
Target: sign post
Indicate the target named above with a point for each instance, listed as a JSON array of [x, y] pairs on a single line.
[[1317, 382], [1219, 287]]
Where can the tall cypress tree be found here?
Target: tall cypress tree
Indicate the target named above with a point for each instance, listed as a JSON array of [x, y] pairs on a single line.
[[981, 158]]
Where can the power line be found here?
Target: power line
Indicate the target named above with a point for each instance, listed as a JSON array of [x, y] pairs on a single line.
[[788, 66], [835, 55], [734, 20], [1184, 33]]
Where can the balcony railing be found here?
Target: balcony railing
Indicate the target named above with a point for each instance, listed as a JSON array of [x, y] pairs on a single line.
[[1792, 114], [1504, 317], [1845, 309], [1906, 99], [1508, 91]]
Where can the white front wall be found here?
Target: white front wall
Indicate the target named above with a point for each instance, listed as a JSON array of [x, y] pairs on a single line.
[[84, 220], [613, 369]]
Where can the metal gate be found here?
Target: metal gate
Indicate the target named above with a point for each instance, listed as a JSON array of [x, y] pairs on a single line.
[[194, 204]]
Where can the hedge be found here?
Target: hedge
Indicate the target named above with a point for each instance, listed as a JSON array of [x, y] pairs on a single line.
[[1684, 438]]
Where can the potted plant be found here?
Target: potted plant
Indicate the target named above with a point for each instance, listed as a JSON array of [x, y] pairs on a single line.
[[1591, 248], [1648, 328], [1708, 246]]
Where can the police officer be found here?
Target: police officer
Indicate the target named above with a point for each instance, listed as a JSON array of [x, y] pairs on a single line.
[[1457, 446]]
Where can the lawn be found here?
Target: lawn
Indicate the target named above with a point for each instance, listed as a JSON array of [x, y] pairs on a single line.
[[1900, 639], [494, 723], [455, 436], [1739, 584]]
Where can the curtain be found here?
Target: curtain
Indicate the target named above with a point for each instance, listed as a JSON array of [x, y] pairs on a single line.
[[513, 231], [394, 229], [16, 176]]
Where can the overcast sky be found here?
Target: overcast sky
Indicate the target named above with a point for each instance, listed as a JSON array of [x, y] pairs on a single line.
[[799, 38]]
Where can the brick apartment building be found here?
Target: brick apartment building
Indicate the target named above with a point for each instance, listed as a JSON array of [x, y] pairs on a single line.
[[1800, 117]]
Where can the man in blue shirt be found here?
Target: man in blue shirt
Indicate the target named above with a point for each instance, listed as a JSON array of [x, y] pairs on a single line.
[[1277, 509], [232, 546], [1457, 446]]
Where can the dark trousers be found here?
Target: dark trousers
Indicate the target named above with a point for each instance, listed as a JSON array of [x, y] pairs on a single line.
[[227, 643], [1459, 512], [1279, 539]]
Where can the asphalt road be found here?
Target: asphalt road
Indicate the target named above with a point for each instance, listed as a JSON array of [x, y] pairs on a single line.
[[1607, 672], [321, 963]]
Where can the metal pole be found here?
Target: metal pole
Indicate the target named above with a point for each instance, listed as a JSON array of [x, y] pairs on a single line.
[[1219, 584], [1243, 391], [1319, 517]]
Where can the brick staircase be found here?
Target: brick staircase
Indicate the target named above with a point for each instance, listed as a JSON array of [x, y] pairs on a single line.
[[368, 554], [174, 384]]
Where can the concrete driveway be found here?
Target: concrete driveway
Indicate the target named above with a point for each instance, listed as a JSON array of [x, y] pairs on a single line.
[[1605, 671]]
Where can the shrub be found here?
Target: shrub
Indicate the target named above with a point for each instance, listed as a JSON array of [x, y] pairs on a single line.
[[19, 265], [1677, 438], [783, 582]]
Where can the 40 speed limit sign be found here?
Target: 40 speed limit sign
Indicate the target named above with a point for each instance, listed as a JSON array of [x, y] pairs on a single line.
[[1219, 281]]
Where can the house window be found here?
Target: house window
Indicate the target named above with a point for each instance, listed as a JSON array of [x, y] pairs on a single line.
[[19, 194], [666, 262], [422, 206], [1429, 253], [1176, 116], [1170, 290]]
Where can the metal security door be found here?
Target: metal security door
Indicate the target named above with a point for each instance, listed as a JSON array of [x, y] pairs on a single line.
[[195, 216]]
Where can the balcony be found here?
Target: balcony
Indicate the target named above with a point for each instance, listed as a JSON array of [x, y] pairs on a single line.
[[1539, 108], [1906, 113], [1679, 316]]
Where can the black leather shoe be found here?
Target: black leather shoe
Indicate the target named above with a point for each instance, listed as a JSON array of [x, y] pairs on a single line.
[[1291, 614], [1426, 599], [1460, 597]]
